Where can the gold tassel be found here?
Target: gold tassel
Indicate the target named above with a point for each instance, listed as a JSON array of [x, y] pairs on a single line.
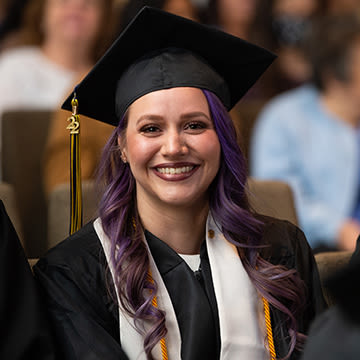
[[75, 170]]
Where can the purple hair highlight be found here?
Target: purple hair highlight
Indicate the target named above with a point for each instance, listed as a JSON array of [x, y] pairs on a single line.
[[230, 209]]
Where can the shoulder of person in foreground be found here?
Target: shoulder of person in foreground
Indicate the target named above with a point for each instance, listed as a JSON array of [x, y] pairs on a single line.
[[27, 333], [80, 299], [336, 333]]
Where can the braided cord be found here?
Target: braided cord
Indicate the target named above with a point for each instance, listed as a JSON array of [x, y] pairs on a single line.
[[269, 329], [164, 353]]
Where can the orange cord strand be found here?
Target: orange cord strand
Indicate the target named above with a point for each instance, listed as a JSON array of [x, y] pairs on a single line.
[[164, 353], [269, 329]]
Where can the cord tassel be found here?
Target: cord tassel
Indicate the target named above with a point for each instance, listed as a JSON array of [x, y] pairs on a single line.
[[76, 215]]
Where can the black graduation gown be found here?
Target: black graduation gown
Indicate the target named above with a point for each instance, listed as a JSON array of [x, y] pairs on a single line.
[[75, 281], [335, 334], [23, 332]]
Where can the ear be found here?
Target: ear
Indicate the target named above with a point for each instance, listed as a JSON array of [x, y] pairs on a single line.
[[122, 149]]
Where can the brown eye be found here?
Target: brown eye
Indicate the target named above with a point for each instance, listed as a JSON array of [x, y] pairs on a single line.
[[150, 130], [195, 126]]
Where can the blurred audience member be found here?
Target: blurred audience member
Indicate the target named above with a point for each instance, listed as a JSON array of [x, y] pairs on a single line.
[[341, 6], [179, 7], [62, 39], [94, 134], [237, 17], [310, 137], [11, 12], [183, 8], [251, 21], [291, 20]]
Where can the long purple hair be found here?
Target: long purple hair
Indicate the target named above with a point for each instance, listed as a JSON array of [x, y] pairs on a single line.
[[229, 207]]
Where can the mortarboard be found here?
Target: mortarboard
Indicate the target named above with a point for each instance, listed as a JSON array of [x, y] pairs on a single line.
[[159, 50]]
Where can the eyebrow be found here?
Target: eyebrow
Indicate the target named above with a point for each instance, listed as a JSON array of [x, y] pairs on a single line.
[[149, 117], [191, 115], [195, 114]]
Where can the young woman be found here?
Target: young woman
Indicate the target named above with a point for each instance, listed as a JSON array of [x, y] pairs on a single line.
[[177, 266]]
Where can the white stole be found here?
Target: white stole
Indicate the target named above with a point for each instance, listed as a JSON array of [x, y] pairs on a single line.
[[241, 329]]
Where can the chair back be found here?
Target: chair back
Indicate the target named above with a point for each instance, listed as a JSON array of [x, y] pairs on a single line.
[[24, 135], [328, 263], [244, 116], [272, 198], [59, 210], [7, 195]]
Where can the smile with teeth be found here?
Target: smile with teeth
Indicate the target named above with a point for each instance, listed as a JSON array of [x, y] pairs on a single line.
[[175, 170]]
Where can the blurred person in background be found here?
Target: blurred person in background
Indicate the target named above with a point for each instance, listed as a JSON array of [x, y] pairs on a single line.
[[94, 134], [341, 6], [61, 40], [309, 137], [183, 8], [291, 20], [249, 20], [11, 12]]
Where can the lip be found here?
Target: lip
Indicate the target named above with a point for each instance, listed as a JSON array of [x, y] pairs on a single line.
[[175, 171]]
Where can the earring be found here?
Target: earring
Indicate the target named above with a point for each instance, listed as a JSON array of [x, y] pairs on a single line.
[[123, 158]]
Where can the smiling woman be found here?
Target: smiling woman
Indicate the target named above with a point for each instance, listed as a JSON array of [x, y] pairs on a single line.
[[177, 266]]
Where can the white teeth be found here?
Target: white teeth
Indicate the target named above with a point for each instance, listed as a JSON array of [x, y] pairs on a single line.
[[173, 171]]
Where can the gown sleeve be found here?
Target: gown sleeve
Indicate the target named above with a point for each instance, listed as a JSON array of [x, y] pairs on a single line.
[[24, 332], [83, 314]]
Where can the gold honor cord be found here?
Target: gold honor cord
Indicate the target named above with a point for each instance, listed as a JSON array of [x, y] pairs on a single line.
[[164, 352], [270, 337], [75, 170]]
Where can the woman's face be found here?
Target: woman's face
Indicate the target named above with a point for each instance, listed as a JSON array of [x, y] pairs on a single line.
[[171, 146], [73, 21]]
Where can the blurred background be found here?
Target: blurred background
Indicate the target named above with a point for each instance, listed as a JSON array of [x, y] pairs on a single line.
[[47, 46]]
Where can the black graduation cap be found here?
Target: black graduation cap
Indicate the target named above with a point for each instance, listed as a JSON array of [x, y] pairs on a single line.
[[159, 50]]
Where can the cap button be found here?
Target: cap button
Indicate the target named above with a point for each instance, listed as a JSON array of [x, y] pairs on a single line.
[[211, 233]]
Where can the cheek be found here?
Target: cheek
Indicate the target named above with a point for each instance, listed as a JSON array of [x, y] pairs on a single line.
[[139, 151], [51, 15], [210, 149], [95, 18]]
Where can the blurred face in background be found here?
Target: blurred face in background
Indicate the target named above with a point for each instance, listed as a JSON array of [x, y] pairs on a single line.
[[237, 11], [298, 8], [352, 85], [182, 8], [73, 21]]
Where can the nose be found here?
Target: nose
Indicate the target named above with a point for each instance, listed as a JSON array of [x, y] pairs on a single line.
[[174, 144]]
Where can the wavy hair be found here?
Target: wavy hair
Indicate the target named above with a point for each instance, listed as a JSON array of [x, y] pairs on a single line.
[[230, 208]]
